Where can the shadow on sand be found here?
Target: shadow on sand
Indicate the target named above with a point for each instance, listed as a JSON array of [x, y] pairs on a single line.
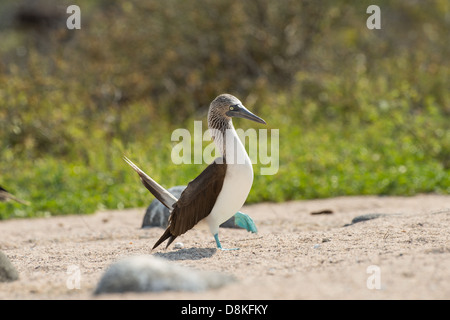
[[187, 254]]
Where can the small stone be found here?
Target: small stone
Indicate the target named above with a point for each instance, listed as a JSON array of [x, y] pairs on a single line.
[[178, 245], [7, 271], [325, 211], [366, 217], [316, 246]]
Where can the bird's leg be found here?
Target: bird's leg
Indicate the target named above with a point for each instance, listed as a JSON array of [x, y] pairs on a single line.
[[244, 221], [219, 246]]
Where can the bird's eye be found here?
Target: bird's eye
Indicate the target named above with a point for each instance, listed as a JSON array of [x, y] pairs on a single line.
[[232, 108]]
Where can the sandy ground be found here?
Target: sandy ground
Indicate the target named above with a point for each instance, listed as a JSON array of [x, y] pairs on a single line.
[[295, 255]]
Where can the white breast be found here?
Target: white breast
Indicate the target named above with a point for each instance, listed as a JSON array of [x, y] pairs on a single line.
[[236, 186]]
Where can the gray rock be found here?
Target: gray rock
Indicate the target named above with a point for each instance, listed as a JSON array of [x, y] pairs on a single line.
[[369, 216], [148, 273], [157, 215], [7, 271], [365, 217]]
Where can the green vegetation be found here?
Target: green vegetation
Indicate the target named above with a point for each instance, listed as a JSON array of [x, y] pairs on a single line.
[[359, 111]]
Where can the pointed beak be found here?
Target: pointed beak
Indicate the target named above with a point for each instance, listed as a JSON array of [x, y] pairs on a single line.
[[242, 112]]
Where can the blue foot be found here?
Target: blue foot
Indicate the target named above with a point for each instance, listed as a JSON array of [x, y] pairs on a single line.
[[219, 246], [244, 221]]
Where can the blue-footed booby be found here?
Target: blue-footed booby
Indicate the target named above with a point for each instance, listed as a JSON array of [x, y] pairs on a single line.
[[222, 188]]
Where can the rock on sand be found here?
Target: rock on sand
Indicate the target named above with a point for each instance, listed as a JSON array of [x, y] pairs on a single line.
[[7, 270], [147, 273]]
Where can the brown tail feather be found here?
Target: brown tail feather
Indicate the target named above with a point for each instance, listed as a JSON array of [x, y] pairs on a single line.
[[166, 235], [164, 196], [172, 237]]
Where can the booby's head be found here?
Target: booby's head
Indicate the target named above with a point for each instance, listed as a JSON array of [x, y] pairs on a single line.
[[226, 106]]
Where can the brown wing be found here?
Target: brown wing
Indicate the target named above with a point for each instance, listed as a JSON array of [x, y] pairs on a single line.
[[198, 199]]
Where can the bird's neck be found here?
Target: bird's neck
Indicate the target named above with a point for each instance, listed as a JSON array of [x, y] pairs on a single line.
[[227, 141], [219, 127]]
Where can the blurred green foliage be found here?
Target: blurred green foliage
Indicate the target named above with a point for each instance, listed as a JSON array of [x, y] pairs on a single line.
[[359, 111]]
